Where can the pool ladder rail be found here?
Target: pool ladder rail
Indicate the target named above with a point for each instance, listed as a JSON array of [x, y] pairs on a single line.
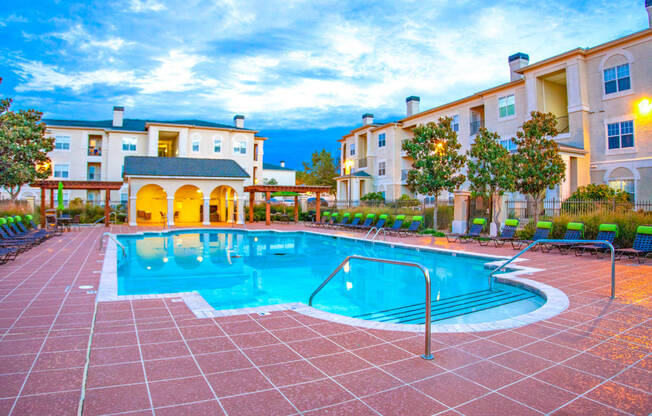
[[378, 230], [427, 354], [114, 238], [546, 241]]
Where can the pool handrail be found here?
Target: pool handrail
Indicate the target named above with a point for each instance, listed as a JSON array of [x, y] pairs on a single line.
[[546, 240], [113, 237], [427, 355]]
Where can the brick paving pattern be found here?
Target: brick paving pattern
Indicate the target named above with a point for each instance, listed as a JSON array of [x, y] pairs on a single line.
[[60, 350]]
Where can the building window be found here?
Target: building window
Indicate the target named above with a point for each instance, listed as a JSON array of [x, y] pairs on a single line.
[[61, 171], [217, 145], [195, 144], [62, 143], [124, 198], [381, 168], [240, 147], [455, 124], [506, 106], [382, 141], [620, 135], [509, 144], [352, 149], [617, 79], [624, 185], [129, 144]]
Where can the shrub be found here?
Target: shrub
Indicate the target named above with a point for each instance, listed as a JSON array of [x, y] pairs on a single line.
[[373, 196], [627, 223], [602, 192], [444, 217], [430, 231]]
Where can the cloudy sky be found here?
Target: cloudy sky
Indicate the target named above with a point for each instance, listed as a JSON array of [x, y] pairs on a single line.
[[303, 72]]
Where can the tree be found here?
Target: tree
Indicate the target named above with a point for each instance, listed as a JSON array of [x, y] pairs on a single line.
[[271, 181], [538, 164], [436, 160], [321, 171], [23, 148], [489, 168], [373, 197]]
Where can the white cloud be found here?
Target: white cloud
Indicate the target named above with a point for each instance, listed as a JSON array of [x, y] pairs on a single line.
[[146, 6], [77, 35], [42, 77]]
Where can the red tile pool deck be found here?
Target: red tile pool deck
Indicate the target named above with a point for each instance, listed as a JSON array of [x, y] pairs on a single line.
[[60, 352]]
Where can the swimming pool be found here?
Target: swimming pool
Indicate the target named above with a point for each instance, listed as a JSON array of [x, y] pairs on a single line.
[[242, 269]]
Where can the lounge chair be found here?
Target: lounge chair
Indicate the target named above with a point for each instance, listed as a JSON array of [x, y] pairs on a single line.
[[7, 254], [396, 226], [382, 220], [606, 232], [542, 232], [16, 232], [574, 231], [415, 224], [477, 225], [18, 222], [343, 221], [323, 219], [368, 221], [642, 245], [332, 220], [508, 233], [355, 221]]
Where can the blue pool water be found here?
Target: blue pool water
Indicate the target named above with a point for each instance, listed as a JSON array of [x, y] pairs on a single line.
[[236, 269]]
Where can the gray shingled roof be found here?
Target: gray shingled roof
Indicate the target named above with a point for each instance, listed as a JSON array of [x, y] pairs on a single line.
[[132, 124], [274, 167], [182, 166]]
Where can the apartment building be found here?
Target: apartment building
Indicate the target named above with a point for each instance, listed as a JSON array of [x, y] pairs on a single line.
[[184, 171], [601, 96]]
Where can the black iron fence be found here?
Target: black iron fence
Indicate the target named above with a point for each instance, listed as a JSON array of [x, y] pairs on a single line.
[[524, 209]]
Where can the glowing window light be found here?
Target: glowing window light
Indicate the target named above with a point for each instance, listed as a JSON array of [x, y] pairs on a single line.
[[645, 106]]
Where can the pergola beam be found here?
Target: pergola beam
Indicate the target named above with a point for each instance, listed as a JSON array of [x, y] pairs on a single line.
[[268, 189]]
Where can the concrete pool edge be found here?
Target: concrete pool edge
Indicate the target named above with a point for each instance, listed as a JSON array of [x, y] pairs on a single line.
[[556, 301]]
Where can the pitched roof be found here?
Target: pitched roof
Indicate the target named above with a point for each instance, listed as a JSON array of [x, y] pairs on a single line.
[[182, 166], [270, 166], [134, 124]]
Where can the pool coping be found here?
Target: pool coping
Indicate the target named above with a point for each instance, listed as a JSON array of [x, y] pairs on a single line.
[[556, 300]]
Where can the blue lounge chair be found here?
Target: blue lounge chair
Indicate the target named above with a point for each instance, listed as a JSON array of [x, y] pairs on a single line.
[[7, 254], [343, 221], [606, 232], [574, 231], [477, 226], [14, 231], [323, 219], [18, 222], [508, 233], [542, 232], [642, 246], [368, 222], [396, 226], [413, 228], [355, 222], [382, 220]]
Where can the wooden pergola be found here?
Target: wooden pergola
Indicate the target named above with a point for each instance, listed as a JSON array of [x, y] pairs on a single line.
[[268, 189], [106, 186]]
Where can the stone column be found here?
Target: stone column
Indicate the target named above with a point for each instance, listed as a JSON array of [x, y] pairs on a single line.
[[229, 198], [240, 219], [152, 141], [182, 144], [461, 211], [133, 221], [207, 206], [170, 211]]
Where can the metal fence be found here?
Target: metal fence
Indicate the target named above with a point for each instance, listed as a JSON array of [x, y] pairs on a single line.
[[524, 209]]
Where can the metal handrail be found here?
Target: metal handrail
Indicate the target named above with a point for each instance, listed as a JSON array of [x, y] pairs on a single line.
[[544, 241], [115, 218], [426, 275], [369, 232], [377, 232], [113, 237]]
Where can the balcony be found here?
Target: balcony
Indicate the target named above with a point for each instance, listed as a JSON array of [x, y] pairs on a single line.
[[94, 151], [362, 163], [475, 126], [563, 124], [91, 176]]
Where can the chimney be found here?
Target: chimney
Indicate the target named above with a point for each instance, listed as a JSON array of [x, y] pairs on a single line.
[[238, 121], [648, 7], [118, 114], [282, 163], [517, 61], [412, 105], [367, 119]]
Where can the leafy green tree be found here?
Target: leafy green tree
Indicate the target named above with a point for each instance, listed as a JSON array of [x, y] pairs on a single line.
[[23, 148], [321, 171], [436, 160], [373, 196], [602, 192], [489, 169], [538, 164]]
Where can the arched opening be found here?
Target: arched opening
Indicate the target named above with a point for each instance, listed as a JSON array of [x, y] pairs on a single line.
[[623, 179], [223, 204], [151, 205], [188, 205]]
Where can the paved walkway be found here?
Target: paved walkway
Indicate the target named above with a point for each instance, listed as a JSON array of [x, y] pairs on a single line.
[[60, 353]]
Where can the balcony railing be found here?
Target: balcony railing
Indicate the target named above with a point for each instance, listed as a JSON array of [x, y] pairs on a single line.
[[93, 177], [94, 151], [475, 126], [362, 163], [562, 124]]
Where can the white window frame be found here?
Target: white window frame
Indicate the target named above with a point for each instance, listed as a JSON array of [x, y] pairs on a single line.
[[196, 138], [626, 150], [56, 139], [630, 60], [384, 140], [129, 140], [217, 139], [454, 124], [384, 163], [352, 149], [507, 116], [61, 165]]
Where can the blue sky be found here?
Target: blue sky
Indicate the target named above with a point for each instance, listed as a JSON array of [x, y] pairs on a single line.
[[303, 72]]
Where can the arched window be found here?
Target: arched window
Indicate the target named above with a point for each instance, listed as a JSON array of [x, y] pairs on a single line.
[[616, 70]]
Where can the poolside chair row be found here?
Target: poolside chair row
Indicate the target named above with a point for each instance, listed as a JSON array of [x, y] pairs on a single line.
[[334, 220], [641, 248], [18, 235]]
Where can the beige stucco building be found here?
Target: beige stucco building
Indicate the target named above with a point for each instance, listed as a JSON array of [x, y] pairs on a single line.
[[184, 171], [602, 97]]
